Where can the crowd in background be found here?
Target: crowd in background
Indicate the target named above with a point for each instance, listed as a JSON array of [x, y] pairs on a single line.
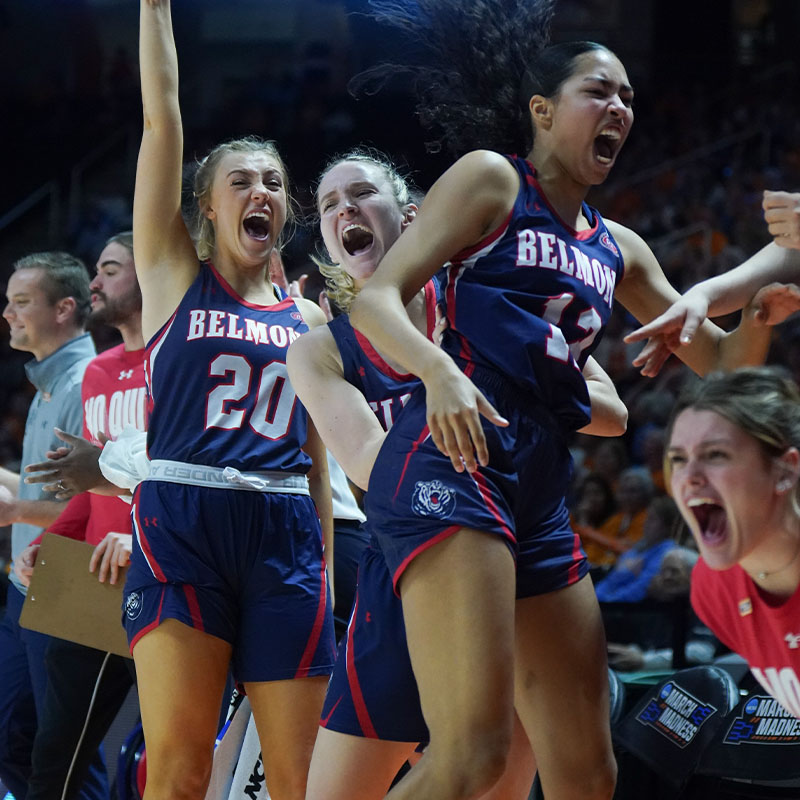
[[690, 181]]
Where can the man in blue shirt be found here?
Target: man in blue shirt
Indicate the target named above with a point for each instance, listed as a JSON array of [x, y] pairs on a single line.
[[48, 304]]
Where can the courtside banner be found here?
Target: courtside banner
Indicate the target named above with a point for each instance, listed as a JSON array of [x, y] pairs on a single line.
[[760, 741], [674, 722]]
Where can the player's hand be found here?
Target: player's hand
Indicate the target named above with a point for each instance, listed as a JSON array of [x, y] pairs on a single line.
[[454, 408], [679, 323], [70, 473], [782, 214], [111, 554], [773, 303], [25, 562], [298, 287], [655, 353]]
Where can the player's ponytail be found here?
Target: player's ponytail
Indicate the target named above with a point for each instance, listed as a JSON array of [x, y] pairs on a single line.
[[471, 56], [475, 65]]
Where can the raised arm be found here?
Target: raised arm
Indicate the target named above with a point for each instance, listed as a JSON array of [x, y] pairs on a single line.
[[341, 414], [646, 293], [471, 199], [723, 294], [166, 262]]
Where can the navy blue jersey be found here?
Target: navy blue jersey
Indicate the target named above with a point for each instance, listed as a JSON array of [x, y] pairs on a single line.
[[532, 298], [386, 390], [219, 392]]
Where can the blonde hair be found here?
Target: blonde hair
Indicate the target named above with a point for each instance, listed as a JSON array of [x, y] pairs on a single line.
[[202, 227], [339, 286]]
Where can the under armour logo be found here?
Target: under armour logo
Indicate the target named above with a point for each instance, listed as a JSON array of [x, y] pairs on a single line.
[[793, 640], [148, 521], [369, 616], [125, 373]]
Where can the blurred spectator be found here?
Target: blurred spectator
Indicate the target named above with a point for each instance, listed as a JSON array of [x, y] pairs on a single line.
[[594, 502], [630, 578], [609, 459], [626, 527], [647, 644]]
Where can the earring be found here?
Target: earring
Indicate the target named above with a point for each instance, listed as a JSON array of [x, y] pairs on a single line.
[[784, 485]]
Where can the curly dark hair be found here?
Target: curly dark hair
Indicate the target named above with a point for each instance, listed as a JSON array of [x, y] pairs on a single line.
[[478, 62]]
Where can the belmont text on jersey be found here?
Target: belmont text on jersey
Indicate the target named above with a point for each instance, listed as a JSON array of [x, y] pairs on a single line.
[[546, 250], [542, 285], [386, 410], [215, 324]]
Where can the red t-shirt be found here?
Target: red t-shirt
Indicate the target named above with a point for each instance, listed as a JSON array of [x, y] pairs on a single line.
[[762, 628], [113, 394]]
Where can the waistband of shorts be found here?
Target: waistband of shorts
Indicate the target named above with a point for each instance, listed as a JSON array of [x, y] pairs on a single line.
[[227, 477]]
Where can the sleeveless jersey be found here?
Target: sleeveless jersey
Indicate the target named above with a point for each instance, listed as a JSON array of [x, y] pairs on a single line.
[[386, 390], [531, 299], [218, 388]]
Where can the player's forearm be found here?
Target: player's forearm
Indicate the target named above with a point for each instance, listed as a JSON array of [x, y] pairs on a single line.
[[746, 345], [158, 63], [732, 290], [609, 414], [41, 513]]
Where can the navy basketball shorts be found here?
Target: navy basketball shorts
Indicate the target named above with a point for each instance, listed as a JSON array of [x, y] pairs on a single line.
[[372, 692], [417, 499], [244, 566]]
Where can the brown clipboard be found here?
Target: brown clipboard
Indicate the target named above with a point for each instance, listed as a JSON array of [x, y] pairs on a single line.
[[65, 600]]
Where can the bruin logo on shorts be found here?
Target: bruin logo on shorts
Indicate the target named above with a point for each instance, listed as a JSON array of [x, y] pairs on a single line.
[[433, 499], [133, 605]]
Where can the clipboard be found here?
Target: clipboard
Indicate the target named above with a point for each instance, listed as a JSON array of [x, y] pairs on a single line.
[[67, 601]]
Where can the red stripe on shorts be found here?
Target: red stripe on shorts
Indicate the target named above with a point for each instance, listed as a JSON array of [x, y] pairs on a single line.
[[145, 545], [422, 437], [194, 607], [490, 504], [367, 728], [316, 630], [573, 573], [153, 625], [424, 546]]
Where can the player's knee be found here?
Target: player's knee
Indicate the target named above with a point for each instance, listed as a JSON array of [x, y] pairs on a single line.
[[601, 781], [285, 784], [478, 762], [590, 782], [179, 774]]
